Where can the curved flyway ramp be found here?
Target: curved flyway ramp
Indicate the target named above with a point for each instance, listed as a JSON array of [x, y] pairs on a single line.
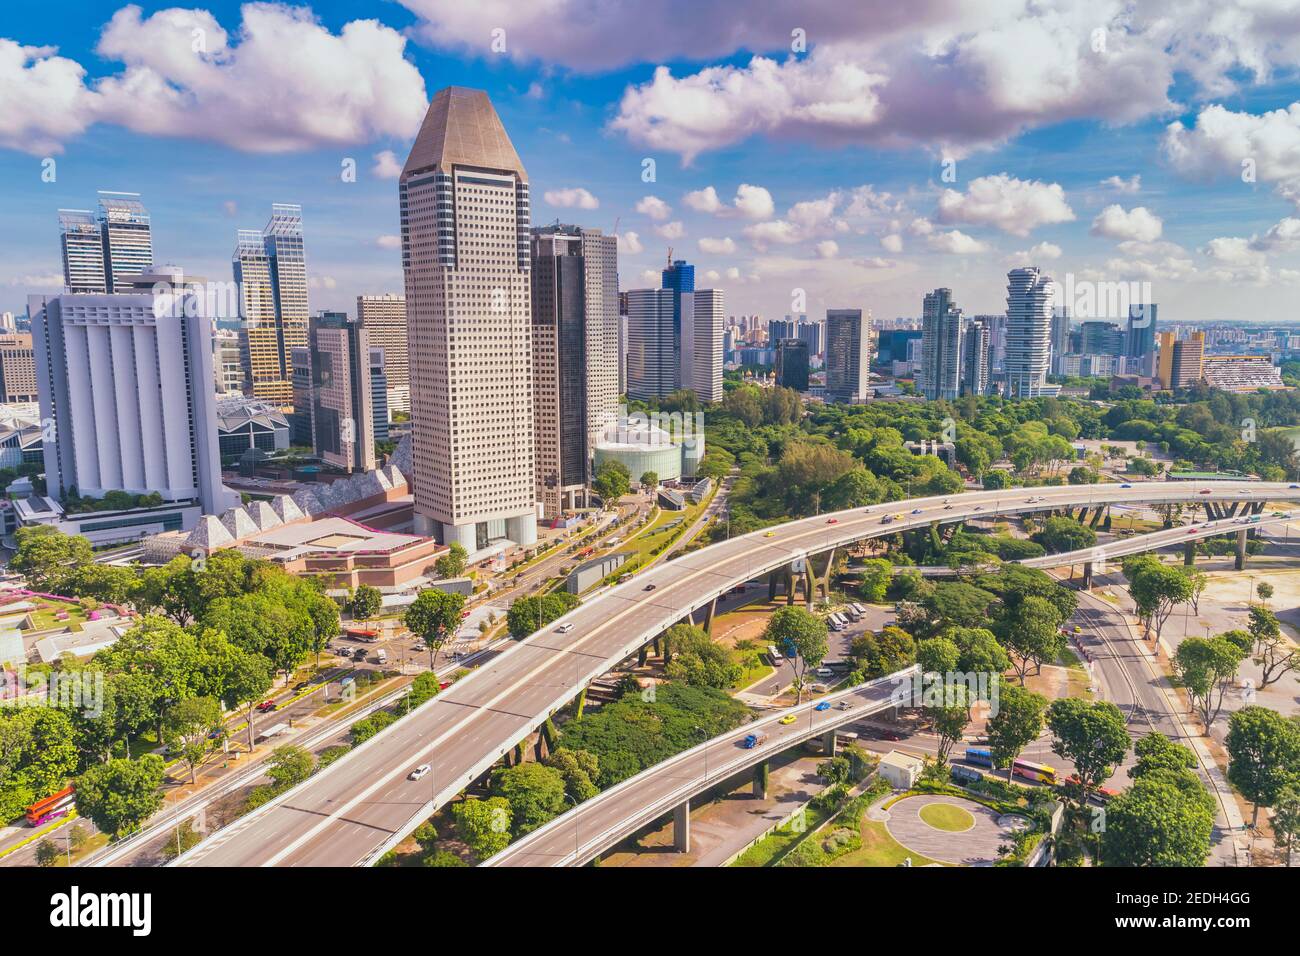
[[362, 805]]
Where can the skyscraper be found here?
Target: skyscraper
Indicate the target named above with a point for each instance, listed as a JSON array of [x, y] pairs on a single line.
[[703, 319], [271, 270], [575, 351], [83, 252], [1181, 362], [848, 355], [17, 368], [652, 346], [128, 239], [792, 364], [679, 276], [384, 317], [941, 351], [976, 357], [465, 255], [342, 406], [1060, 335], [1140, 338], [379, 393], [129, 389], [1029, 332]]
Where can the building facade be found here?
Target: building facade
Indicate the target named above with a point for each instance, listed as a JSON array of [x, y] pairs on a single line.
[[17, 368], [270, 268], [941, 346], [703, 322], [1029, 331], [792, 364], [652, 361], [384, 317], [342, 404], [848, 355], [464, 203], [977, 363]]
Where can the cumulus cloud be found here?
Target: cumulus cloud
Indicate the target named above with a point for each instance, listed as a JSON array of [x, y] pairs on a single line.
[[1131, 185], [892, 243], [670, 230], [389, 242], [574, 197], [387, 165], [1262, 146], [654, 207], [1015, 206], [718, 247], [1037, 253], [629, 243], [288, 84], [703, 200], [827, 249], [750, 202], [1138, 224], [955, 242]]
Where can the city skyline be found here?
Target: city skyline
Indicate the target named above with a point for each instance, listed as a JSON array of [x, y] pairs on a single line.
[[1080, 180]]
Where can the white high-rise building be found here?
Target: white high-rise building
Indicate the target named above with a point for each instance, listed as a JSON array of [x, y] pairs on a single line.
[[128, 238], [1029, 332], [465, 255], [941, 346], [126, 379], [848, 355], [703, 324], [384, 317]]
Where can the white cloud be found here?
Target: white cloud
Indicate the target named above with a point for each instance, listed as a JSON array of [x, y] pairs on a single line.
[[43, 101], [827, 249], [574, 197], [387, 165], [718, 247], [753, 202], [230, 208], [629, 243], [1138, 224], [892, 243], [389, 242], [703, 200], [650, 276], [1226, 143], [654, 207], [321, 282], [1131, 185], [1037, 253], [955, 242], [1015, 206], [670, 230]]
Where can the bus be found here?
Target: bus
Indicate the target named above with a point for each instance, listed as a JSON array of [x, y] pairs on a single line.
[[1034, 771], [52, 807], [980, 756], [858, 609], [775, 655]]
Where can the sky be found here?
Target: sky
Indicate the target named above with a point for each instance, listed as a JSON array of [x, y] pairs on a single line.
[[799, 152]]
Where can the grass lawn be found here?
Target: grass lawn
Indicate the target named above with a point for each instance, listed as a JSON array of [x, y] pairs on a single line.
[[944, 816], [660, 530], [769, 850], [47, 617], [880, 849]]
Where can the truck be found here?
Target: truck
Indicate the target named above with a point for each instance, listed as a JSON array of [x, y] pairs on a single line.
[[753, 740], [381, 656]]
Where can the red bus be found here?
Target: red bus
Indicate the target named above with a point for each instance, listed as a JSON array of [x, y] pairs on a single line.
[[51, 807]]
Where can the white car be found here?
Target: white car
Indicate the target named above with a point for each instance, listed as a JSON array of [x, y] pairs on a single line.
[[419, 773], [564, 629]]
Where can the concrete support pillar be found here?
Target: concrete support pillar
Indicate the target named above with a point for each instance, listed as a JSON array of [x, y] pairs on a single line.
[[828, 743], [1083, 514], [709, 611], [1240, 563], [682, 827], [1096, 517], [761, 772], [655, 643], [1189, 553], [789, 585], [579, 704], [771, 586], [809, 587], [642, 655], [826, 576], [519, 752], [1087, 574]]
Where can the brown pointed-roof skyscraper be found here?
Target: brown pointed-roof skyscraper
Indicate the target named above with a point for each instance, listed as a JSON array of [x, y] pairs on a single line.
[[465, 256]]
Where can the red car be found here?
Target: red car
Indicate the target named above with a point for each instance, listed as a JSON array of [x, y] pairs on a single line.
[[832, 520], [266, 706], [1205, 491], [443, 684]]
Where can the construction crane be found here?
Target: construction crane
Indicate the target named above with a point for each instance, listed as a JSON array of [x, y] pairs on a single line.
[[670, 257]]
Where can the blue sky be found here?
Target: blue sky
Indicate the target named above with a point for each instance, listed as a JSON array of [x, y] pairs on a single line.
[[826, 162]]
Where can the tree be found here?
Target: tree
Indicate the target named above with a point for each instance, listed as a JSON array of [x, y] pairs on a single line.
[[38, 753], [1286, 819], [876, 577], [1031, 631], [1264, 590], [1206, 668], [366, 602], [938, 655], [289, 765], [1016, 724], [949, 717], [885, 652], [484, 825], [1264, 755], [530, 614], [118, 795], [1059, 534], [1155, 823], [1275, 654], [187, 727], [650, 479], [1156, 752], [434, 616], [367, 727], [1092, 735], [48, 558], [580, 769], [534, 791], [247, 683], [1156, 589], [697, 660], [612, 481], [452, 564], [801, 637], [980, 651]]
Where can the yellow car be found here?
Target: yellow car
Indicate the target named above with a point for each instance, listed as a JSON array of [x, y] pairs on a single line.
[[788, 719], [769, 534]]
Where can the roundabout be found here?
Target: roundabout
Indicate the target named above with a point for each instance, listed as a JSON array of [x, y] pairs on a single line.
[[948, 829]]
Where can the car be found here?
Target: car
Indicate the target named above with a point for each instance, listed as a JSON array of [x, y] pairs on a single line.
[[266, 706], [916, 511], [1204, 491], [887, 519], [769, 534], [419, 773], [947, 507], [443, 684], [843, 705], [788, 719], [1293, 486], [887, 734], [1078, 629], [1191, 529], [564, 628], [1126, 485], [823, 705], [978, 508], [832, 520], [648, 587]]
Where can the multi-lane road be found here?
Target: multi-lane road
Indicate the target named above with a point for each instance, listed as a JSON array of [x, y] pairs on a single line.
[[363, 804]]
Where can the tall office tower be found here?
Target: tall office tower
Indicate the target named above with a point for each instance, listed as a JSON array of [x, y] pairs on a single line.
[[17, 368], [384, 317], [651, 344], [1181, 361], [700, 367], [300, 417], [271, 269], [848, 355], [997, 343], [8, 323], [1060, 335], [792, 364], [379, 393], [778, 329], [227, 362], [622, 343], [814, 333], [127, 237], [976, 357], [342, 408], [130, 392], [679, 276], [465, 255], [83, 252], [1140, 338], [941, 351], [575, 348], [1101, 338], [1029, 331]]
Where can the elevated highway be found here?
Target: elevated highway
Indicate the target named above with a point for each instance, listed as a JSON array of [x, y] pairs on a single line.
[[363, 804]]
